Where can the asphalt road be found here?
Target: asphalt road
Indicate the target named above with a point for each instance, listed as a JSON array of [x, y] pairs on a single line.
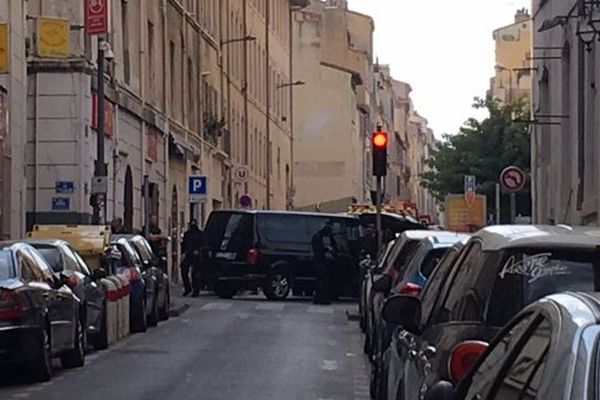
[[248, 349]]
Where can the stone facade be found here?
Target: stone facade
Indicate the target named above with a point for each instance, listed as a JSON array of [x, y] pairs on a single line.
[[565, 145]]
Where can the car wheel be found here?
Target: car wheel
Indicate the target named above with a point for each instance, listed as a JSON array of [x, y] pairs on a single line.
[[278, 285], [41, 365], [138, 319], [76, 356], [163, 312], [153, 317], [101, 339], [224, 291]]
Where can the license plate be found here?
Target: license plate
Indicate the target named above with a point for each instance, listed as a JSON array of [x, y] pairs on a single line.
[[225, 256]]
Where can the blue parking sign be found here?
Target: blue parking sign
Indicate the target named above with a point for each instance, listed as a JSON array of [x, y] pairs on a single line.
[[197, 188]]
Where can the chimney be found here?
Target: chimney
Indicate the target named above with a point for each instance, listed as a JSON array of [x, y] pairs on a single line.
[[522, 15], [343, 4]]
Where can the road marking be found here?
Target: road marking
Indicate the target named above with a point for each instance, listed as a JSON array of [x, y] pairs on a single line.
[[21, 395], [320, 310], [269, 307], [329, 365], [243, 315], [218, 306], [332, 342]]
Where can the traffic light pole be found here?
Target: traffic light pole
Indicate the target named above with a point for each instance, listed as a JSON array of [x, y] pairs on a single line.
[[378, 216], [99, 216]]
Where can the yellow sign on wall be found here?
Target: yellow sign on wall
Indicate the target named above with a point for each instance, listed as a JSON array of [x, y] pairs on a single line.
[[4, 50], [53, 37], [462, 217]]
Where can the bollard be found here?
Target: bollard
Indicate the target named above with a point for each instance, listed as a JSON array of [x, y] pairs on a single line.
[[119, 287], [110, 292]]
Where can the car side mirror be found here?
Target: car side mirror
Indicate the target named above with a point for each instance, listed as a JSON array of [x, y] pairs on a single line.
[[441, 390], [99, 273], [383, 284], [403, 310]]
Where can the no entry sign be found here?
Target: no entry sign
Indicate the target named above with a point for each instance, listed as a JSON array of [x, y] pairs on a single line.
[[513, 179], [96, 17]]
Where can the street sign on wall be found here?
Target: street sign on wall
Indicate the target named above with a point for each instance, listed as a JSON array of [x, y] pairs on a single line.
[[53, 37], [241, 174], [513, 179], [197, 189], [4, 49], [96, 17]]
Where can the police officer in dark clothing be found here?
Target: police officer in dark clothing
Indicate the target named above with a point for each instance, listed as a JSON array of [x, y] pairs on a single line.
[[191, 246], [324, 247]]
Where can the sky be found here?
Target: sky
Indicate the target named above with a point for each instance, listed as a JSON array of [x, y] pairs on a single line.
[[443, 49]]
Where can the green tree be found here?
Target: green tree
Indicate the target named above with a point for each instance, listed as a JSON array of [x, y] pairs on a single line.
[[483, 148]]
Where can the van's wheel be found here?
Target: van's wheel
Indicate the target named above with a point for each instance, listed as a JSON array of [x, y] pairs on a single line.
[[101, 339], [278, 285], [75, 357], [224, 291], [41, 365]]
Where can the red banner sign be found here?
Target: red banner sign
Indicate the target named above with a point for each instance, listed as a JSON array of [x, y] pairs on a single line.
[[96, 17]]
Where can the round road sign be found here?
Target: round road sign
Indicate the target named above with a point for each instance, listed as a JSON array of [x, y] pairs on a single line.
[[245, 201], [513, 179]]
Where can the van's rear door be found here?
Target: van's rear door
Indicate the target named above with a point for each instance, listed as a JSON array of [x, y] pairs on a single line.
[[229, 235]]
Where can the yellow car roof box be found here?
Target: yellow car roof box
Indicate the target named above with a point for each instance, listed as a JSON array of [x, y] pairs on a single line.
[[85, 239]]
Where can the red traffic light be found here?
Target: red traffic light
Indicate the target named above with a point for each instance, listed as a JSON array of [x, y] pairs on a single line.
[[380, 139]]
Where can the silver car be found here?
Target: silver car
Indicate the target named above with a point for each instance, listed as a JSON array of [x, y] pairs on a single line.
[[549, 351]]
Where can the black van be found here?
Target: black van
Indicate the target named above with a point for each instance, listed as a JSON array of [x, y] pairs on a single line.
[[272, 250]]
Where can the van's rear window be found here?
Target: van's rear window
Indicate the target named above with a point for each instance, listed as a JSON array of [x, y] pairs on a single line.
[[229, 231]]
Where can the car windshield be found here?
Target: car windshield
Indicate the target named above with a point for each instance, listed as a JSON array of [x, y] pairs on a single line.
[[526, 275], [52, 256], [7, 269]]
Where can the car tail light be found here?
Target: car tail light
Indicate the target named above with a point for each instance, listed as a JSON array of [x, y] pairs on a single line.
[[133, 274], [463, 357], [10, 305], [410, 289], [72, 281], [112, 295], [252, 256]]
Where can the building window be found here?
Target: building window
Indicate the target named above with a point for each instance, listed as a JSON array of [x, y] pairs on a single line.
[[172, 69], [125, 33], [151, 56]]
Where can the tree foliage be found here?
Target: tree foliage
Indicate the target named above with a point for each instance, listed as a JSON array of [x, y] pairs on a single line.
[[482, 148]]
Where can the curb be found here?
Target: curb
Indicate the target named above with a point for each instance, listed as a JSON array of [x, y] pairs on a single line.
[[177, 310]]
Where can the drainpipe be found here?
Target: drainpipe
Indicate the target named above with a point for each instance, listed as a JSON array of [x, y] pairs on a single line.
[[268, 105], [245, 92]]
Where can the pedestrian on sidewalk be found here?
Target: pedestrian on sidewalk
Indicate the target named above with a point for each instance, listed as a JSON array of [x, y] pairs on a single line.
[[191, 245], [116, 226]]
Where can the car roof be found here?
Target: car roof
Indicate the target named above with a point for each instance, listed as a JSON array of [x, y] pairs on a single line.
[[501, 237], [416, 234], [300, 213], [49, 242]]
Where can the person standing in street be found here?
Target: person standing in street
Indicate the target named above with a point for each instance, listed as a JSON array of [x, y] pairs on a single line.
[[116, 226], [155, 236], [323, 247], [191, 246]]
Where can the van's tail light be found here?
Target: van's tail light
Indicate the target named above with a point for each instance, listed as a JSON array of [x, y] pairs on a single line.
[[11, 306], [463, 357], [411, 289], [252, 256]]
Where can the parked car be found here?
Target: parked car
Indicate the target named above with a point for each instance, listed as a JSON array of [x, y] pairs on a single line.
[[367, 266], [152, 266], [64, 260], [394, 356], [500, 271], [40, 317], [384, 274], [409, 280], [143, 307], [272, 250], [549, 351]]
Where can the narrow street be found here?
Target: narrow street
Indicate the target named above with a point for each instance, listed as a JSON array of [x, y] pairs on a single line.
[[244, 348]]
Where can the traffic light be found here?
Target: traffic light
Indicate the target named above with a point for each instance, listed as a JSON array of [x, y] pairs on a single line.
[[379, 143]]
